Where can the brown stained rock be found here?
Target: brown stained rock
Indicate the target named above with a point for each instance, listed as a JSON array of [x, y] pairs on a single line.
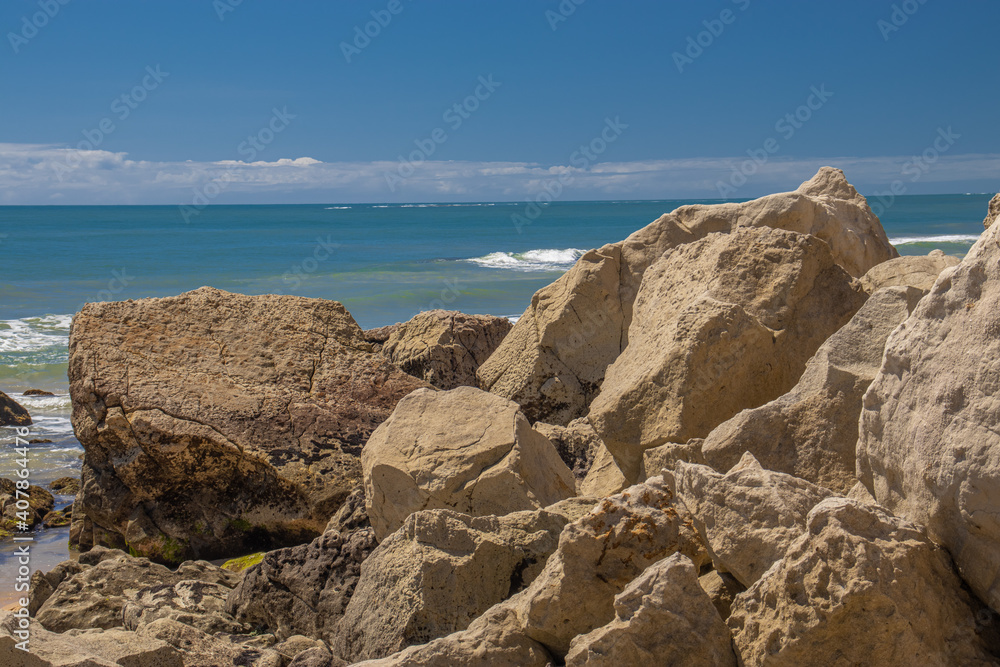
[[216, 423], [12, 413], [445, 348]]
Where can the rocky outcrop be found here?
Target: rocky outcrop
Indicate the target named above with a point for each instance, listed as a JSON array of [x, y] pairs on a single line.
[[860, 587], [13, 518], [994, 212], [445, 347], [12, 413], [66, 486], [464, 450], [604, 478], [553, 361], [201, 649], [303, 590], [91, 594], [748, 517], [216, 423], [111, 648], [812, 431], [664, 612], [919, 271], [929, 448], [719, 325], [494, 639], [666, 457], [199, 604], [440, 571]]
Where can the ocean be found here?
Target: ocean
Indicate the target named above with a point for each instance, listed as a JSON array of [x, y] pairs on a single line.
[[384, 262]]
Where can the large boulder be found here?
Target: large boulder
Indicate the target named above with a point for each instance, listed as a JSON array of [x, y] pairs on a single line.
[[12, 517], [445, 347], [719, 325], [919, 271], [929, 448], [199, 604], [303, 590], [553, 361], [91, 595], [13, 413], [812, 431], [860, 587], [994, 212], [577, 444], [598, 555], [664, 615], [464, 450], [216, 423], [440, 571], [748, 517]]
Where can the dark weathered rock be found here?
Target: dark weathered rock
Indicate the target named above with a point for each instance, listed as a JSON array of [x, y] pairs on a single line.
[[40, 503], [302, 590], [445, 347], [66, 486], [92, 594], [12, 413], [217, 423], [37, 392]]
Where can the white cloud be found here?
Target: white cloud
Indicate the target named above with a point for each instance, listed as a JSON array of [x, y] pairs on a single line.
[[40, 174]]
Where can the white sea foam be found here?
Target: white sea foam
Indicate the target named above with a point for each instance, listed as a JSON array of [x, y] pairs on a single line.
[[336, 208], [531, 260], [943, 238], [33, 334]]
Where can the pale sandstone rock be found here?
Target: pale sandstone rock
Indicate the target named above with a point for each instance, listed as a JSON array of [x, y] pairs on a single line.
[[108, 648], [303, 590], [721, 588], [598, 556], [918, 271], [216, 423], [604, 478], [720, 325], [494, 639], [661, 618], [860, 587], [444, 347], [436, 574], [929, 448], [553, 361], [92, 595], [747, 517], [994, 212], [812, 431], [666, 457], [464, 450]]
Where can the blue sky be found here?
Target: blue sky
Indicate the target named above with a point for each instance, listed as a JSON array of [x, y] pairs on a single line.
[[877, 84]]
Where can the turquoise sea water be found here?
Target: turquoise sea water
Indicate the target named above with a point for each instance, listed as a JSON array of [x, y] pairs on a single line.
[[384, 262]]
